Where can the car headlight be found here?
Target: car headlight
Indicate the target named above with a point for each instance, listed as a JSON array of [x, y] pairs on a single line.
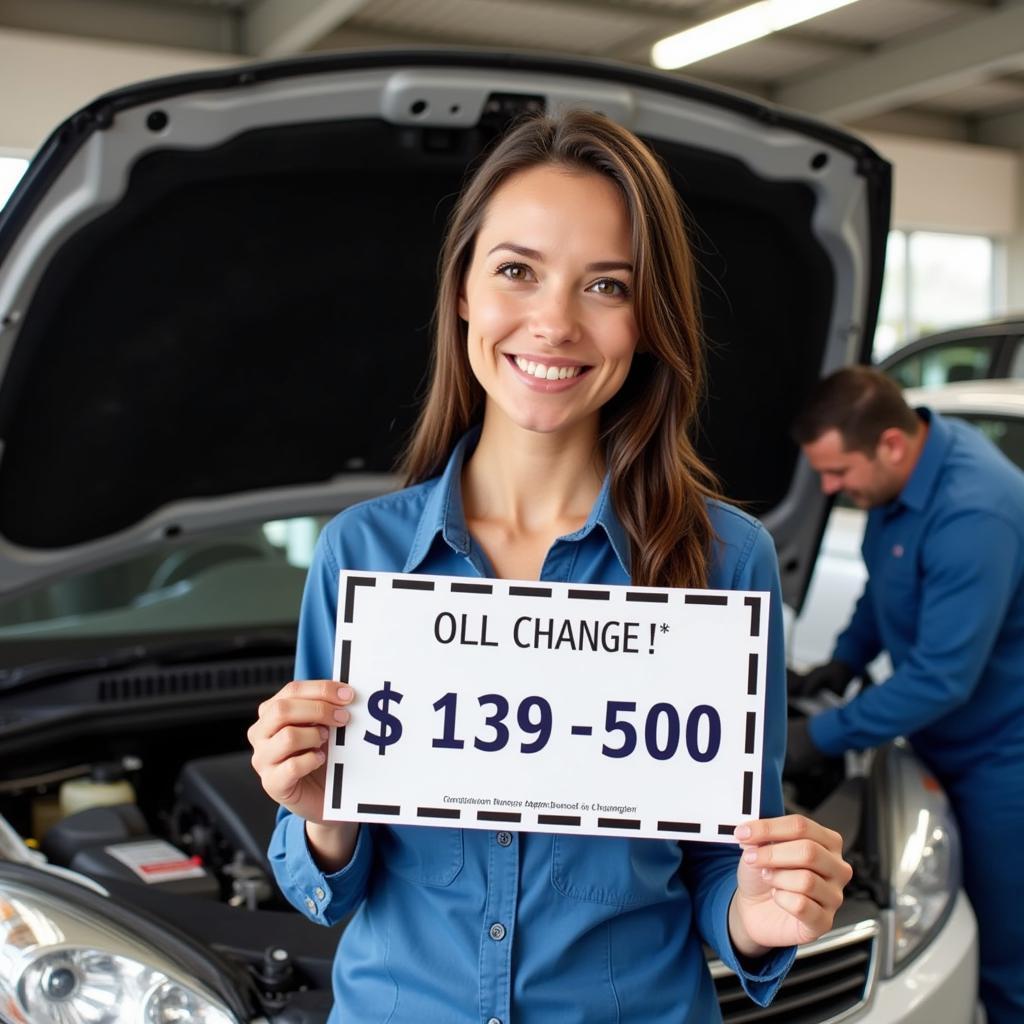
[[64, 964], [924, 857]]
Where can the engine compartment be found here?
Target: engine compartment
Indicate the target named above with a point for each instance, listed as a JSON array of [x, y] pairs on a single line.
[[201, 821], [212, 844], [199, 818]]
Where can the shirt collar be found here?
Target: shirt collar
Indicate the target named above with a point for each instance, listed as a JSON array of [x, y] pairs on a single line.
[[443, 514], [918, 489], [603, 515]]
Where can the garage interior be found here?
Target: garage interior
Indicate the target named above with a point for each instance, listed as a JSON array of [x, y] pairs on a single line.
[[934, 86], [937, 86]]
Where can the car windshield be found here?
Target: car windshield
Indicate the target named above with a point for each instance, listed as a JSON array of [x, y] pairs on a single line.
[[246, 578]]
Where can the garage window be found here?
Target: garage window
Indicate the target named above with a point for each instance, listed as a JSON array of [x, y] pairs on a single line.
[[11, 170], [934, 281]]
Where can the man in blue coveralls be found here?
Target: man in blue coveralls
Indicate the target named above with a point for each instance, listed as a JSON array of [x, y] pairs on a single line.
[[944, 549]]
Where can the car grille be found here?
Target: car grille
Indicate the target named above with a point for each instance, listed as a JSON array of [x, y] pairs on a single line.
[[147, 684], [829, 980]]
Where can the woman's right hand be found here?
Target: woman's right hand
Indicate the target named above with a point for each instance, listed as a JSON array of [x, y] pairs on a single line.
[[288, 742]]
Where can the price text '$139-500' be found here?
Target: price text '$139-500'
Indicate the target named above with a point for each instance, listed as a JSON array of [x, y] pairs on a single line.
[[663, 727]]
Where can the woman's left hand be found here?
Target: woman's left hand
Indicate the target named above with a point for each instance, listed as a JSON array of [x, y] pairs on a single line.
[[790, 882]]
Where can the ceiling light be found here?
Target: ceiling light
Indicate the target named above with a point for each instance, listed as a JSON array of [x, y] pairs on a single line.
[[734, 29]]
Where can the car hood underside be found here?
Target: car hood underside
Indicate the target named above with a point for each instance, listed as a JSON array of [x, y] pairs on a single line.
[[216, 291]]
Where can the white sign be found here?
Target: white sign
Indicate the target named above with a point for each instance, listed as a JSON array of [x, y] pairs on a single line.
[[552, 707]]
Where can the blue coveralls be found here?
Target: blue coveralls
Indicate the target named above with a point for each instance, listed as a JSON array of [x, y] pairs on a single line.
[[945, 597]]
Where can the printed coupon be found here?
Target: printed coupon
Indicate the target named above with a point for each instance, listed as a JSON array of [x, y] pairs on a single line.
[[553, 707]]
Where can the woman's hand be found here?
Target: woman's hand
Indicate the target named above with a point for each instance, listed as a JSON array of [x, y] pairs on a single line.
[[288, 743], [790, 882]]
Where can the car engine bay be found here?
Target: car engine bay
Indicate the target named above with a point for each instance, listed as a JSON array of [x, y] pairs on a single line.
[[159, 805]]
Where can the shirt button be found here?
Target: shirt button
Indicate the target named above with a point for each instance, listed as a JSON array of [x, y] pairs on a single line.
[[310, 905], [497, 932], [319, 893], [494, 1020], [504, 838]]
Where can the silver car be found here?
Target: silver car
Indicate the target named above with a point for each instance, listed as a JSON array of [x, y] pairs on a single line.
[[215, 297]]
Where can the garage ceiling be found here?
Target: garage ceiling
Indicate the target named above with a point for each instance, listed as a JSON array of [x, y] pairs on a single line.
[[950, 69]]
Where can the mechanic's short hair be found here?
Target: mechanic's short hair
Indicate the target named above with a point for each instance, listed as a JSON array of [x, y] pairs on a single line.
[[858, 401]]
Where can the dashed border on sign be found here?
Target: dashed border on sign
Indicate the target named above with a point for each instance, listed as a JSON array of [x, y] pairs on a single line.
[[560, 820]]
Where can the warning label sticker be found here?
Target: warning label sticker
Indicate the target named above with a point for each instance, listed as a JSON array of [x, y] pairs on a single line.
[[157, 861]]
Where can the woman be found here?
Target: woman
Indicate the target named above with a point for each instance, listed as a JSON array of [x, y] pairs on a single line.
[[554, 444]]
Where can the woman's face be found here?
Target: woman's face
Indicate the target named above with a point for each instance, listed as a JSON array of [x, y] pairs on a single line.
[[548, 298]]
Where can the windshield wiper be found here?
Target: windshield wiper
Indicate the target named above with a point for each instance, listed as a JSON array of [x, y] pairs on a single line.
[[162, 653]]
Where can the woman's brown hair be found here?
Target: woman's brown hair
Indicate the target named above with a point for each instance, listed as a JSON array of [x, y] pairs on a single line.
[[658, 482]]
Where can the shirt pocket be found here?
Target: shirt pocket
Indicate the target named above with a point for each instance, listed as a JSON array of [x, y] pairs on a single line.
[[617, 872], [425, 856], [900, 588]]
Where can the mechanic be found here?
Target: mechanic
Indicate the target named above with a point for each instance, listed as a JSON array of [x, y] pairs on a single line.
[[944, 549], [553, 444]]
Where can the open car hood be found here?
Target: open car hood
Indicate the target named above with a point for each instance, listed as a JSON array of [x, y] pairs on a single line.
[[216, 289]]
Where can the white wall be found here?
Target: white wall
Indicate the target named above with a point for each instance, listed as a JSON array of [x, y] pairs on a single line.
[[952, 186], [963, 188], [44, 78]]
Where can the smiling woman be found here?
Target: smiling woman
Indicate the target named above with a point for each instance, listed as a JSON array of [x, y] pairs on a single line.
[[550, 308], [554, 445], [568, 247]]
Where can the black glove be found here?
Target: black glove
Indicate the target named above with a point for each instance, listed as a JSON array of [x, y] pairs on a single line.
[[832, 676], [802, 756]]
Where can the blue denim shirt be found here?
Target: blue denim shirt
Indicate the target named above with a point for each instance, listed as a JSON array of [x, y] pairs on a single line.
[[592, 928], [945, 598]]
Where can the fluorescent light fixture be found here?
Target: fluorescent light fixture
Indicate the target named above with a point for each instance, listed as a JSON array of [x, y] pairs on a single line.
[[736, 28]]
